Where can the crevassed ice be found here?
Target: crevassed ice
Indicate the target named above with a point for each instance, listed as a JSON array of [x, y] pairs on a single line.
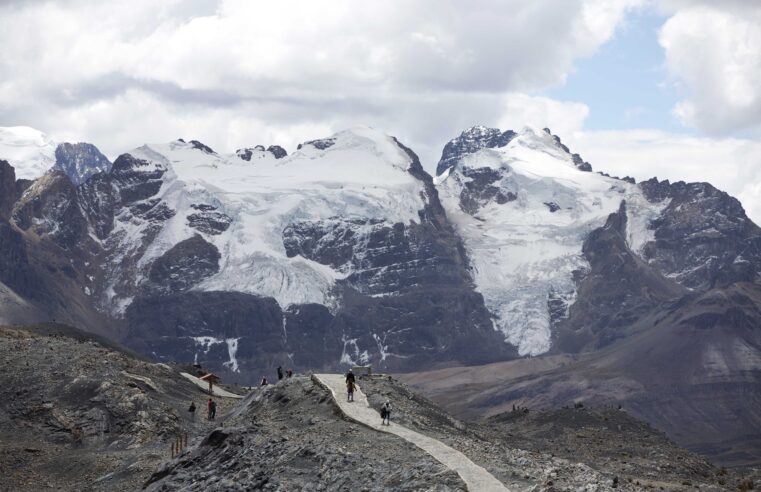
[[520, 252], [363, 175]]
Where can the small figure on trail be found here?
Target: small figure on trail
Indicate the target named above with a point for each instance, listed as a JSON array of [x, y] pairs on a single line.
[[279, 373], [350, 390], [289, 373], [350, 377], [192, 410], [212, 409], [385, 412], [264, 381]]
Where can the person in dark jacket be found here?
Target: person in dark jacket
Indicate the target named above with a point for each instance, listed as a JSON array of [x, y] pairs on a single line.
[[350, 390], [386, 413], [192, 410], [350, 377], [264, 381], [279, 373]]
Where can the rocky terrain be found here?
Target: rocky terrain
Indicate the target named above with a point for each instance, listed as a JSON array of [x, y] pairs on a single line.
[[80, 413], [290, 436]]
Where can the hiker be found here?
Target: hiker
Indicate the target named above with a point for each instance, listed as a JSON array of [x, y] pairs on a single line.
[[350, 377], [386, 413], [212, 409], [350, 390], [264, 381], [192, 410], [289, 373], [279, 373]]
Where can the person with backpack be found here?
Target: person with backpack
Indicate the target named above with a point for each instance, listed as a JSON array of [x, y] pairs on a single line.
[[350, 377], [350, 390], [385, 412], [192, 410]]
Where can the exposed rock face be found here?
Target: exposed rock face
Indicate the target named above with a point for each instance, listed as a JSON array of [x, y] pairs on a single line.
[[320, 144], [202, 147], [615, 293], [7, 189], [259, 151], [225, 331], [185, 264], [15, 271], [80, 161], [50, 208], [208, 219], [471, 141], [703, 238]]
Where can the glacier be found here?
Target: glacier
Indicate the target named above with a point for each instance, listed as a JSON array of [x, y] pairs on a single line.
[[525, 248], [360, 174]]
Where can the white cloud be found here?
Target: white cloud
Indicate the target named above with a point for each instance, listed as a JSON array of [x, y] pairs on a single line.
[[236, 72], [713, 53]]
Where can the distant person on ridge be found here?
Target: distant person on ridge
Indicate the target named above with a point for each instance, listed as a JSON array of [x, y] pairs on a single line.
[[209, 405], [279, 373], [350, 377], [385, 412], [350, 390], [192, 410], [264, 381], [289, 373]]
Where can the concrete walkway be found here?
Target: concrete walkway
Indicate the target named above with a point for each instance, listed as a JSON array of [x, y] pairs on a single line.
[[205, 386], [475, 477]]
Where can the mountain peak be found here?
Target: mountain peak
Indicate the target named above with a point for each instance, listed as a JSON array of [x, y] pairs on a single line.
[[80, 161], [470, 141]]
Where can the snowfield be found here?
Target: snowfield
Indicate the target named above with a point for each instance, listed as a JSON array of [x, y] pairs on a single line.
[[522, 253], [363, 174]]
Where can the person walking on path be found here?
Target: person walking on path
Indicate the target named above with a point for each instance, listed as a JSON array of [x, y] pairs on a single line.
[[350, 390], [385, 412], [350, 377], [279, 373], [212, 409], [264, 381], [192, 410]]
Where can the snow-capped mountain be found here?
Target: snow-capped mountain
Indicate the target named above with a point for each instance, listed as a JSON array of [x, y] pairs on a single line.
[[523, 208], [33, 153], [321, 257], [347, 251]]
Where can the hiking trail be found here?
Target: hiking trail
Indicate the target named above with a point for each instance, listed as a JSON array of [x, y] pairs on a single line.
[[476, 478]]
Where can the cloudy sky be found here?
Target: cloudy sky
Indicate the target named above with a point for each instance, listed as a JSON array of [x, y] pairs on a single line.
[[668, 88]]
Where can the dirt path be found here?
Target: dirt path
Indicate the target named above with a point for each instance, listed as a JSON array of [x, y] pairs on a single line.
[[475, 477]]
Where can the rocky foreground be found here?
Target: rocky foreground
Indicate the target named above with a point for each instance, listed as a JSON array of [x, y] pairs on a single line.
[[78, 413]]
